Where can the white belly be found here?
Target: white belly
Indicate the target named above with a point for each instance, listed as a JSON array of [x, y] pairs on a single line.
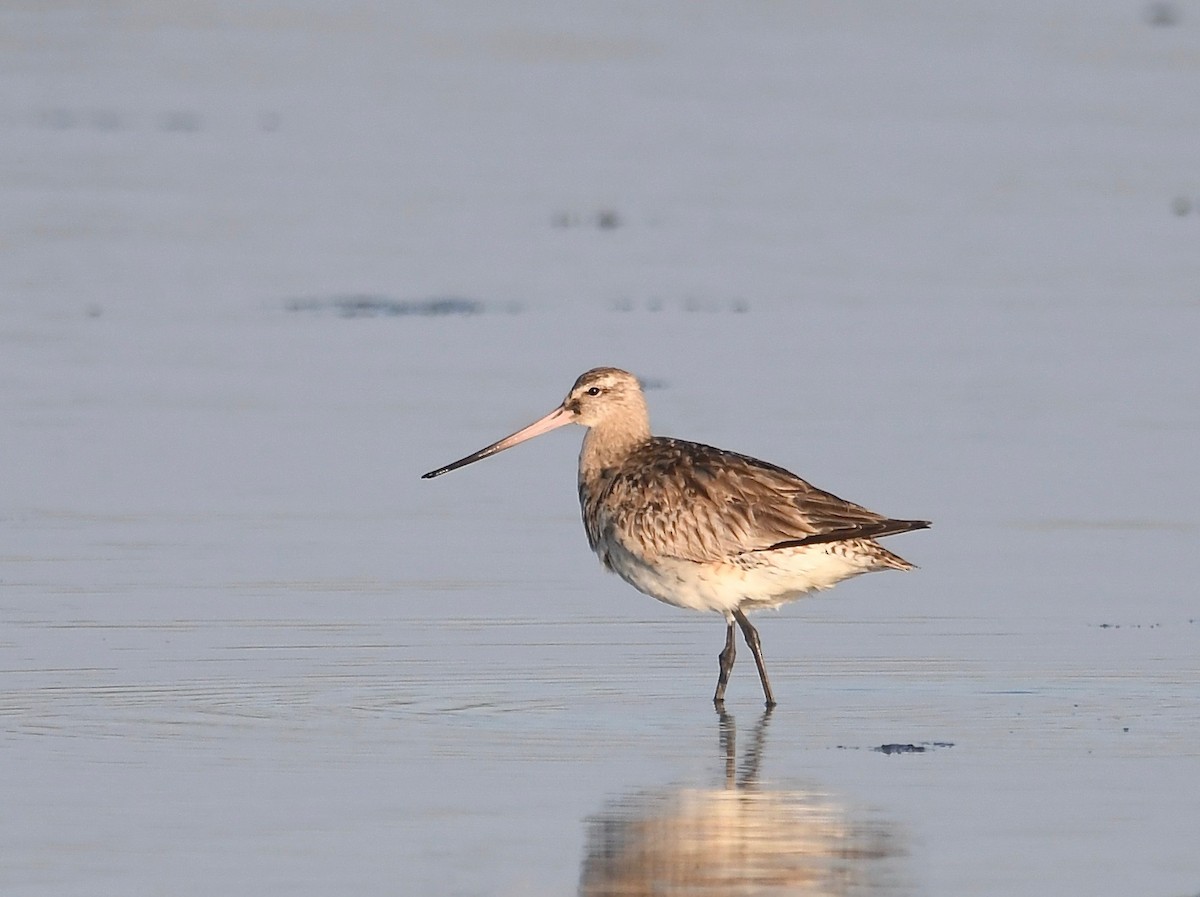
[[749, 581]]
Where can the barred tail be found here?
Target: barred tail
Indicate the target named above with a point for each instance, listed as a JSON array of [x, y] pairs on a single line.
[[890, 560]]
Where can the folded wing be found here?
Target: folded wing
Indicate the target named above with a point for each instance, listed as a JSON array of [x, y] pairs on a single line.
[[691, 501]]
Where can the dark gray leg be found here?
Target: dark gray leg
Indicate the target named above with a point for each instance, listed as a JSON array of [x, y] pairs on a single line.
[[752, 639], [726, 657]]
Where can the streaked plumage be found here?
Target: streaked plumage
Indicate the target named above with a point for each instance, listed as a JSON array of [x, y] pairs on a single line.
[[699, 527]]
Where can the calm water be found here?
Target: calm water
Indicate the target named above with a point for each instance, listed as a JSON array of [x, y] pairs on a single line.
[[263, 264]]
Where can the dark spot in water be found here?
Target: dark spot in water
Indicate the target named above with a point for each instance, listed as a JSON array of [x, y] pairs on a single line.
[[899, 748], [369, 306], [1161, 14], [179, 120], [912, 748], [601, 219], [1181, 205]]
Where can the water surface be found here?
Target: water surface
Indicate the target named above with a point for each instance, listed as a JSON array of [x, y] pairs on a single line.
[[263, 264]]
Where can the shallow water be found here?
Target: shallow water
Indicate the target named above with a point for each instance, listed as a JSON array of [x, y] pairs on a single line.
[[266, 263]]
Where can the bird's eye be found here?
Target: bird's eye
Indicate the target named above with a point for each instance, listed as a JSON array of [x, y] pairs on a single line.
[[594, 391]]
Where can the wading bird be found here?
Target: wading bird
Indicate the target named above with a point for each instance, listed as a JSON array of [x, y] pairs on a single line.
[[699, 527]]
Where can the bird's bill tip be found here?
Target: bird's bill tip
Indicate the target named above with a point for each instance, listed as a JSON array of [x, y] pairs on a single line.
[[559, 417]]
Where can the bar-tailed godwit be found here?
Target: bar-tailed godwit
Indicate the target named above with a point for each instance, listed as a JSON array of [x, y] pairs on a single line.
[[699, 527]]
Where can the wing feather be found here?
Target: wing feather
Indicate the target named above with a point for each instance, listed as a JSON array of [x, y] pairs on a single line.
[[680, 499]]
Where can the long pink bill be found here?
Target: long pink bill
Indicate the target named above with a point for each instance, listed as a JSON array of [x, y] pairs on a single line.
[[559, 417]]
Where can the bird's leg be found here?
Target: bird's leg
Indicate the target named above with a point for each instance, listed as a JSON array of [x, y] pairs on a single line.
[[726, 657], [752, 639]]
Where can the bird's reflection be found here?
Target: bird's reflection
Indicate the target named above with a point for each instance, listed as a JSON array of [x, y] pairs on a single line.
[[740, 838]]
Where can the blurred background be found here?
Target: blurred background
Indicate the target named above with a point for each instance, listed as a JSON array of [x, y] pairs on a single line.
[[264, 263]]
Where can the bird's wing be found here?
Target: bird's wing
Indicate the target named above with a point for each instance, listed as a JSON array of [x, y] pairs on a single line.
[[691, 501]]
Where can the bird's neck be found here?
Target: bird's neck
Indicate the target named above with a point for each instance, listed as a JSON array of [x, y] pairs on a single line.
[[608, 444]]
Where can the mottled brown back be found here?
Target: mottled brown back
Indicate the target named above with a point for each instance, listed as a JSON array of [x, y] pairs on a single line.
[[692, 501]]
